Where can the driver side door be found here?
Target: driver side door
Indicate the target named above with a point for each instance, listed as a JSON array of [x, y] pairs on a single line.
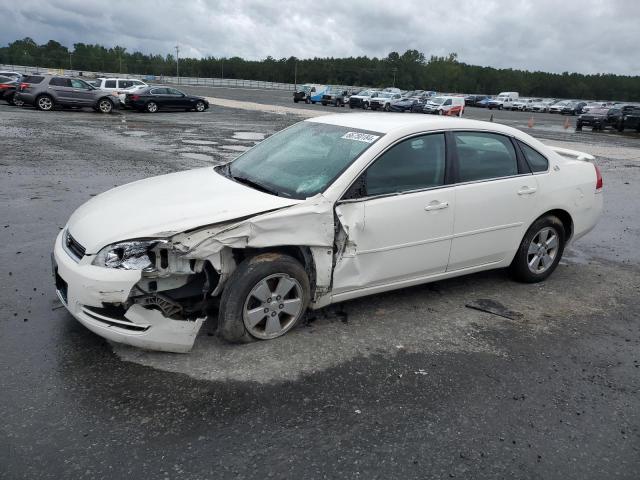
[[397, 217]]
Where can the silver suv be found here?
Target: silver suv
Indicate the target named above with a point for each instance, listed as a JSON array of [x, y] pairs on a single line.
[[47, 91]]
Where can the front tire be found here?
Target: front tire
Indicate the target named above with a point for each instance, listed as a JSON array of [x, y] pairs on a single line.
[[540, 250], [44, 103], [200, 106], [266, 296], [104, 106]]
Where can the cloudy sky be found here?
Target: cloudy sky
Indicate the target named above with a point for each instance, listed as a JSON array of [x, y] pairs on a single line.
[[588, 36]]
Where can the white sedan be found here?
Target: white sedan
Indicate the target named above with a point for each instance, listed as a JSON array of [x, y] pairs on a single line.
[[329, 209]]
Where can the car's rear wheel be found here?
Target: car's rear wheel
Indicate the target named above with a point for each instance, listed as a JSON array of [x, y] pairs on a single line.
[[266, 296], [540, 250], [200, 106], [151, 107], [44, 103], [105, 105]]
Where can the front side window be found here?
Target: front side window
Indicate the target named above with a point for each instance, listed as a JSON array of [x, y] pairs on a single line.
[[413, 164], [536, 160], [159, 91], [80, 84], [483, 156], [125, 83], [301, 161], [173, 91]]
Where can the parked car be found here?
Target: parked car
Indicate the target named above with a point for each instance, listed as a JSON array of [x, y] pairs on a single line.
[[383, 100], [594, 105], [153, 99], [8, 87], [408, 104], [48, 91], [376, 203], [484, 103], [624, 117], [522, 104], [11, 74], [573, 108], [334, 96], [558, 106], [596, 118], [362, 99], [542, 106], [309, 93], [473, 100], [504, 100], [119, 86], [452, 106]]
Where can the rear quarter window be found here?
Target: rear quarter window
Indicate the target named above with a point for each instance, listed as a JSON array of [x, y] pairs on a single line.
[[537, 162], [34, 79]]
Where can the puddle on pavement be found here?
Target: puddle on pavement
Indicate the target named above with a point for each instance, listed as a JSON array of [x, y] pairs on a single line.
[[236, 148], [197, 156], [248, 136], [199, 142], [135, 133]]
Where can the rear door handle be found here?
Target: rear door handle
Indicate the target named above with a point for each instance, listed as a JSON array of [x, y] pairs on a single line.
[[436, 205], [527, 190]]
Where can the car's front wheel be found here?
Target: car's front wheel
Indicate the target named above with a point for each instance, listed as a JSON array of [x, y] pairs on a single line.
[[200, 106], [266, 296], [105, 106], [540, 250]]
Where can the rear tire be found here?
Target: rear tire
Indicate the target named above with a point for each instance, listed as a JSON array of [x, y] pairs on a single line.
[[151, 107], [44, 103], [252, 307], [540, 250]]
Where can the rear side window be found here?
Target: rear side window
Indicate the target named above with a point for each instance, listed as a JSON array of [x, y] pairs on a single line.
[[34, 79], [413, 164], [60, 82], [110, 84], [125, 84], [537, 162], [159, 91], [482, 156]]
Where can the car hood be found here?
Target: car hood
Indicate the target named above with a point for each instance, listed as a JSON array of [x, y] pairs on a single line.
[[165, 205]]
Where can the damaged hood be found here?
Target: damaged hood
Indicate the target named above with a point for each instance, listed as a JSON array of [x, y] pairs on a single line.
[[165, 205]]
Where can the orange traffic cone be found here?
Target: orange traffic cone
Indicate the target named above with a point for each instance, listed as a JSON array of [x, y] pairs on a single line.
[[566, 123], [530, 123], [491, 118]]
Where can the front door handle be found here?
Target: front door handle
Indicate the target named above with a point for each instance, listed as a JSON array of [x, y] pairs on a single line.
[[527, 190], [436, 205]]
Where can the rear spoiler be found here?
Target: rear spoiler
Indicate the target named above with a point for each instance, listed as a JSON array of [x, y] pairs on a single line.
[[565, 152]]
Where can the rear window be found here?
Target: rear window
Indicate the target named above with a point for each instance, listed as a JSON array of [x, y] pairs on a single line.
[[32, 79], [535, 159]]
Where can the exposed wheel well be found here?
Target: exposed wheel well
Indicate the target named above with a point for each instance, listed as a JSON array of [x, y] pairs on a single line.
[[565, 218], [302, 254]]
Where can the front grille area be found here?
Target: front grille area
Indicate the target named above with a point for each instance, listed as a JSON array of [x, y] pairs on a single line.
[[73, 247], [113, 316]]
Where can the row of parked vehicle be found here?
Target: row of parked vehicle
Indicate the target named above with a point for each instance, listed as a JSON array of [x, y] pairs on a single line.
[[45, 92]]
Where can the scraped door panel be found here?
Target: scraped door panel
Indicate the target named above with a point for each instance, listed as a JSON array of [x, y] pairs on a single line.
[[394, 238]]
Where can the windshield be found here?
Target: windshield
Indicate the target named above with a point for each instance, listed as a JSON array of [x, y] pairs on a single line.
[[599, 111], [364, 93], [302, 160], [384, 95], [437, 100]]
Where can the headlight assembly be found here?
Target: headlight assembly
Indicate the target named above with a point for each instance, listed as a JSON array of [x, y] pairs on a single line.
[[131, 255]]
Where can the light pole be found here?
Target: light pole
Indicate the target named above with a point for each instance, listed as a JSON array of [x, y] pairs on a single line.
[[394, 70], [177, 47], [295, 76], [70, 65]]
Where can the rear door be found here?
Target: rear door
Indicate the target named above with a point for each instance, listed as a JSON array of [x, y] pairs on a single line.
[[495, 194], [160, 96], [60, 88]]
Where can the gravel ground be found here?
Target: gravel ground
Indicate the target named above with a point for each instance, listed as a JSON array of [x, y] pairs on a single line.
[[407, 384]]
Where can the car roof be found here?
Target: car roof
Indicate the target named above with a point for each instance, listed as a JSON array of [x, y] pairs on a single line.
[[390, 122]]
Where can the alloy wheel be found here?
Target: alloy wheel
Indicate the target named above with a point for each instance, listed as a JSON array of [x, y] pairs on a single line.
[[45, 103], [543, 250], [273, 306], [200, 107], [105, 106]]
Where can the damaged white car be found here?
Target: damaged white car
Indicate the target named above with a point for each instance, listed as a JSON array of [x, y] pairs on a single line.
[[329, 209]]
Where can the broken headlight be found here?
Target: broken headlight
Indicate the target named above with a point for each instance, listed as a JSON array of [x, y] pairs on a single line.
[[132, 255]]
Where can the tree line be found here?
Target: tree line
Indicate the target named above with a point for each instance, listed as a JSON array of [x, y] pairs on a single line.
[[410, 70]]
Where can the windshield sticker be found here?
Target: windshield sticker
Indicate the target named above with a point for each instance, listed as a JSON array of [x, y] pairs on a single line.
[[360, 137]]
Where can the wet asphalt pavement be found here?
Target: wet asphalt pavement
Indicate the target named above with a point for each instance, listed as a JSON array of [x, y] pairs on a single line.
[[407, 384]]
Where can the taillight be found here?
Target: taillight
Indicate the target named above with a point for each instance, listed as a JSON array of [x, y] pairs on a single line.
[[24, 86], [134, 97], [4, 86], [598, 178]]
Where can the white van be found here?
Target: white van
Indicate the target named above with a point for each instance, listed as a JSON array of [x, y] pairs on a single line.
[[503, 100], [445, 105], [310, 93]]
